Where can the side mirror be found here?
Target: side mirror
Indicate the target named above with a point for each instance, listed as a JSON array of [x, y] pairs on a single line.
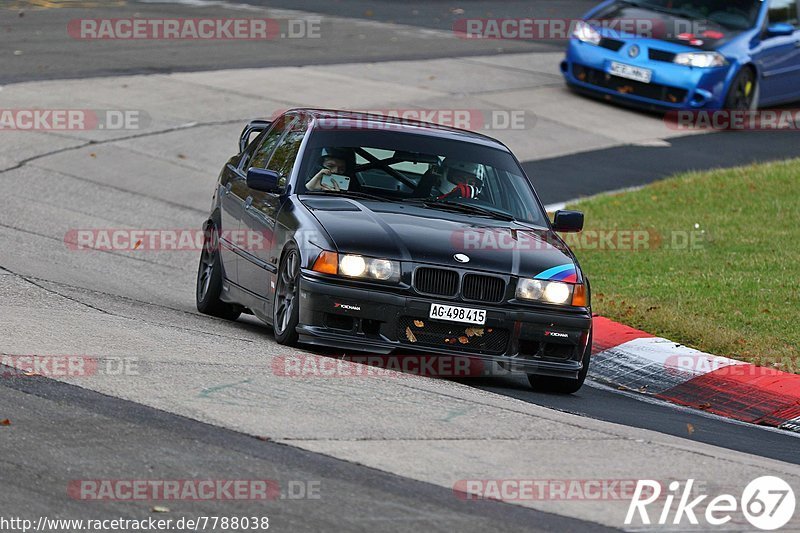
[[255, 126], [780, 29], [261, 179], [568, 221]]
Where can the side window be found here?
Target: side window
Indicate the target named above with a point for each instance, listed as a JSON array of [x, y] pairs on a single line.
[[285, 154], [244, 162], [784, 11], [268, 144]]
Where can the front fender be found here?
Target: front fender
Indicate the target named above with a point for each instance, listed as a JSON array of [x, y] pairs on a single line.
[[299, 226]]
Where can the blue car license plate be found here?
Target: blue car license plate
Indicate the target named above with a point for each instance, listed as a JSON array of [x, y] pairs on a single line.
[[630, 72]]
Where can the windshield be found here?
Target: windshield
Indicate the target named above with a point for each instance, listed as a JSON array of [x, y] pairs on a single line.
[[736, 14], [435, 173]]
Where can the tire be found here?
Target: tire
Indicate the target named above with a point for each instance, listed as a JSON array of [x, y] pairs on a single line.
[[563, 385], [744, 92], [286, 304], [209, 280]]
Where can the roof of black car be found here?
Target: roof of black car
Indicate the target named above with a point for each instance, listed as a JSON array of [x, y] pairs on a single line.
[[357, 120]]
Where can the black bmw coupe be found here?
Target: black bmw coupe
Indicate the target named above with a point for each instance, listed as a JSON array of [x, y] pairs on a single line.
[[382, 235]]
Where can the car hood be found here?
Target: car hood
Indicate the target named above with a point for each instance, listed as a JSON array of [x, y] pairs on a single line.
[[408, 232], [619, 18]]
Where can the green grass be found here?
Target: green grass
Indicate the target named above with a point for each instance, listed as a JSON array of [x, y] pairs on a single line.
[[737, 295]]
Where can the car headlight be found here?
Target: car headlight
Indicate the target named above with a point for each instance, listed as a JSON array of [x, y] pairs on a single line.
[[701, 59], [353, 266], [357, 266], [552, 292], [585, 33]]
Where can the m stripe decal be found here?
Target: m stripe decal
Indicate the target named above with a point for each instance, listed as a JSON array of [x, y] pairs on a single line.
[[551, 273]]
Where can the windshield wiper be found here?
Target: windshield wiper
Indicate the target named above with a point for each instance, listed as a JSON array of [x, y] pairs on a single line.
[[470, 209], [353, 194]]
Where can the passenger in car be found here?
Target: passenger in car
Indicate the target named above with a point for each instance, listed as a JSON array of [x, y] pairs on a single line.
[[332, 161]]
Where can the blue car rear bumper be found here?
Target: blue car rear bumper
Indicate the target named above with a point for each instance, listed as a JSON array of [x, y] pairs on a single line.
[[586, 68]]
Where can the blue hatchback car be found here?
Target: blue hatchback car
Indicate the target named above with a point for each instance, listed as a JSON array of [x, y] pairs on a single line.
[[688, 54]]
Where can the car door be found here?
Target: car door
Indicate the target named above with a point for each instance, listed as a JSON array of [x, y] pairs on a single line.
[[230, 217], [231, 207], [261, 213], [778, 57], [235, 193]]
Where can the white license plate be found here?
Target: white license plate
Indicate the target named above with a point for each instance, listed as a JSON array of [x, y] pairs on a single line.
[[630, 72], [458, 314]]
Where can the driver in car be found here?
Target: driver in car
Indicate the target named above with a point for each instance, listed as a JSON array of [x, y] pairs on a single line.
[[459, 179], [332, 161]]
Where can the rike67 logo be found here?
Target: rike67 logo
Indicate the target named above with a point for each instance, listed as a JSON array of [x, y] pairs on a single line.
[[767, 503]]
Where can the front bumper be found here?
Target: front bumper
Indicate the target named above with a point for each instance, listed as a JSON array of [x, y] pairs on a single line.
[[535, 341], [586, 68]]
